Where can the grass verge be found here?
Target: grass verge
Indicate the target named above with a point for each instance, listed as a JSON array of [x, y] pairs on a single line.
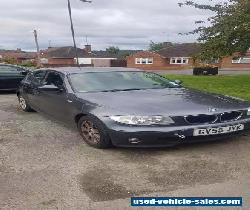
[[236, 85]]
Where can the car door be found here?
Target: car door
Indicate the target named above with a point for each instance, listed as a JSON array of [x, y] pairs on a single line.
[[31, 87], [55, 102], [10, 77]]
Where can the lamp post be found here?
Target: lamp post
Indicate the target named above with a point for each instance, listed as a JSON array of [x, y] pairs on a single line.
[[72, 27]]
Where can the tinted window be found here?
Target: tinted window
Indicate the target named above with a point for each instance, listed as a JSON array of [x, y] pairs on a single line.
[[39, 76], [116, 81], [8, 70], [54, 78]]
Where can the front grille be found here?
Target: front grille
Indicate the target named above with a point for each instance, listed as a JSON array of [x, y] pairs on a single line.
[[208, 119], [201, 119], [230, 116]]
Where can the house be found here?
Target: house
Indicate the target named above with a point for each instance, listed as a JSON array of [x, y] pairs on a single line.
[[236, 62], [66, 56], [178, 56], [18, 56], [181, 56]]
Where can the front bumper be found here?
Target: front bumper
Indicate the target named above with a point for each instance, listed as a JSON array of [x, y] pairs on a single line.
[[132, 136]]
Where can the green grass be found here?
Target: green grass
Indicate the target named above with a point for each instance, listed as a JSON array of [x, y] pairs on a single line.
[[237, 85]]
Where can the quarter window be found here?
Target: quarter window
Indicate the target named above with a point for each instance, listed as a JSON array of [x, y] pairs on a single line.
[[180, 60], [144, 61]]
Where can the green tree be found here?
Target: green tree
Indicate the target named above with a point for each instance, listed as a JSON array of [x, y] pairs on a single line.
[[10, 60], [113, 50], [158, 46], [227, 31]]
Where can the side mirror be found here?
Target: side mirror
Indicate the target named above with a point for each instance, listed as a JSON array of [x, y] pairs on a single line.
[[24, 73], [178, 82], [49, 88]]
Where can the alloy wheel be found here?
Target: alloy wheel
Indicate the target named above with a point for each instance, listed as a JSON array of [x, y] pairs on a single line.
[[90, 133], [22, 103]]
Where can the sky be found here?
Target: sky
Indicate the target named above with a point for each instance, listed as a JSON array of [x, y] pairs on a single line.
[[128, 24]]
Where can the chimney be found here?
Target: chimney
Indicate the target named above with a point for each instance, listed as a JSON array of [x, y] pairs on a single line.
[[19, 50], [88, 48]]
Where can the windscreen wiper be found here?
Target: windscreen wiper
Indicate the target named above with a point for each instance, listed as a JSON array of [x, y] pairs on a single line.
[[118, 90]]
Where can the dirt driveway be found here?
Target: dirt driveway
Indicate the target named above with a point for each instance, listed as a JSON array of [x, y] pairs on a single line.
[[44, 165]]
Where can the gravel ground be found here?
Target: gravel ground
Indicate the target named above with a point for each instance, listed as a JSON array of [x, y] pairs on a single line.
[[45, 165]]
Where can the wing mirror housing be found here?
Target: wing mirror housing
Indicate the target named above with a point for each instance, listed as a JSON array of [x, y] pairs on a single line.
[[178, 82]]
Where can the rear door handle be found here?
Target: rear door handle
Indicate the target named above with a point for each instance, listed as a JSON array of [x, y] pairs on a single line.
[[69, 101]]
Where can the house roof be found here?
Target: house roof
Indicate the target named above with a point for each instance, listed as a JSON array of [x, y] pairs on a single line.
[[65, 52], [69, 52], [18, 54], [180, 50]]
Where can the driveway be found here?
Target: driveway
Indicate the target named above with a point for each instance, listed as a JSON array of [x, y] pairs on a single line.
[[190, 72], [45, 165]]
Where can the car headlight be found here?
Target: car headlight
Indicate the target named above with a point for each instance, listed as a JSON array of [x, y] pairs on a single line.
[[248, 112], [143, 120]]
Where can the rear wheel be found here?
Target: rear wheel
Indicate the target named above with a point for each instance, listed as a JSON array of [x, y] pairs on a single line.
[[23, 104], [93, 132]]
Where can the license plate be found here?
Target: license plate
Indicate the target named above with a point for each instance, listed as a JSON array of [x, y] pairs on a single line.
[[218, 130]]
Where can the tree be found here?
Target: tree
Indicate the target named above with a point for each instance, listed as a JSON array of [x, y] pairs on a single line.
[[227, 32], [158, 46], [10, 60], [113, 50]]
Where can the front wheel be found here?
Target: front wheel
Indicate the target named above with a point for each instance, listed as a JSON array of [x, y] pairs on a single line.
[[93, 132], [23, 104]]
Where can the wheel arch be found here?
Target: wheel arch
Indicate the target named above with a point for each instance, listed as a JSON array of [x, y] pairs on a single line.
[[79, 116]]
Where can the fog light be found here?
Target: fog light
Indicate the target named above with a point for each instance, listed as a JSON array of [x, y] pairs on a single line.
[[134, 140]]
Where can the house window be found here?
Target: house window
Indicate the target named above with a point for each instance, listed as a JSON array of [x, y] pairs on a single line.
[[137, 61], [179, 61], [241, 60], [144, 61]]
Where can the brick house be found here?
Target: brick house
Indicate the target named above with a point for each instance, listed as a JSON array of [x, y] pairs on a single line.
[[236, 61], [18, 55], [65, 56], [179, 56]]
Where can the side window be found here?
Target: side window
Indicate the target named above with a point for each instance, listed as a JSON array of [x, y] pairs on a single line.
[[8, 70], [54, 78], [38, 76]]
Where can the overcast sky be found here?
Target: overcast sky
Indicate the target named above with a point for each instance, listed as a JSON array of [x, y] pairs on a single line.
[[129, 24]]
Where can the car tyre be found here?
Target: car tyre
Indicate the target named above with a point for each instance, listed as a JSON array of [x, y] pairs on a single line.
[[94, 132], [23, 104]]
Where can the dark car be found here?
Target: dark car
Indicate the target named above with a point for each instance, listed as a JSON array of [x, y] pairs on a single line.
[[132, 108], [11, 76]]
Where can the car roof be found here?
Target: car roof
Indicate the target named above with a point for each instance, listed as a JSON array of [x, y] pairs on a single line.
[[12, 65], [74, 70]]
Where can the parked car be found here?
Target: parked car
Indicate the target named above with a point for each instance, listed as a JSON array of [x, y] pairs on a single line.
[[11, 76], [132, 108]]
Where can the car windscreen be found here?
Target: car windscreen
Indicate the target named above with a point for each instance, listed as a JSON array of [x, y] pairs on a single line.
[[118, 81]]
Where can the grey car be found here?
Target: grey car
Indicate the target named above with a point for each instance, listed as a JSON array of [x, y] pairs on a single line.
[[132, 108]]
